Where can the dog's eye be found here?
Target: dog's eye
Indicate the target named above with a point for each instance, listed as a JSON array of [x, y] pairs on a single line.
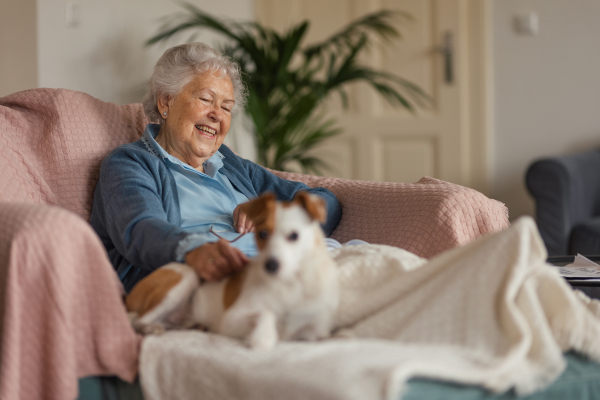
[[263, 234], [293, 236]]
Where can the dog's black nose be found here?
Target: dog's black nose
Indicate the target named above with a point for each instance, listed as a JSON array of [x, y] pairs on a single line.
[[272, 265]]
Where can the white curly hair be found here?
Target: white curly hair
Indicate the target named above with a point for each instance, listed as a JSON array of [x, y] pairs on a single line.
[[179, 64]]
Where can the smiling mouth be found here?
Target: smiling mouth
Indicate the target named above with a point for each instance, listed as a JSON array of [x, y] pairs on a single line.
[[206, 130]]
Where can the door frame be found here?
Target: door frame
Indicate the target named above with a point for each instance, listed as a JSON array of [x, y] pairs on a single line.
[[481, 107]]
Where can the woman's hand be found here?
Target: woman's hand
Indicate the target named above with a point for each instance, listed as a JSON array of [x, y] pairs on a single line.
[[214, 261], [241, 222]]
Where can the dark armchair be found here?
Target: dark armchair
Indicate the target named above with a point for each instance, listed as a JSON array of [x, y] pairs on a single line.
[[567, 196]]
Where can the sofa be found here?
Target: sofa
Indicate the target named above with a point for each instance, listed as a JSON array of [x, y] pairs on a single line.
[[566, 191], [61, 311]]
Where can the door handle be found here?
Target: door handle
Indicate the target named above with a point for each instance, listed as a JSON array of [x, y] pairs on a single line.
[[447, 50]]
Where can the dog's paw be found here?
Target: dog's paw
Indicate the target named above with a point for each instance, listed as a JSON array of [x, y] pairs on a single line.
[[264, 336], [261, 343]]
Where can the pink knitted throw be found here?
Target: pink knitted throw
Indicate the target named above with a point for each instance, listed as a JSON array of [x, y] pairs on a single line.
[[61, 313]]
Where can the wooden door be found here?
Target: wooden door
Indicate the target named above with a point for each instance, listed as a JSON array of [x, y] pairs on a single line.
[[381, 143]]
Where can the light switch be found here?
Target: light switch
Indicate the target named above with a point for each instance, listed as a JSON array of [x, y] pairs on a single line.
[[527, 24], [72, 15]]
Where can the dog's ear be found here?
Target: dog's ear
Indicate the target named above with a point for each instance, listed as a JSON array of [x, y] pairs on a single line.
[[313, 204], [259, 208]]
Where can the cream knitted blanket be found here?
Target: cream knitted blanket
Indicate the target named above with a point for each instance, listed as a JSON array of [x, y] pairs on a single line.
[[490, 313]]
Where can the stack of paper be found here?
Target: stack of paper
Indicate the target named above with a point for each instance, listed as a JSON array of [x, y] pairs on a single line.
[[581, 269]]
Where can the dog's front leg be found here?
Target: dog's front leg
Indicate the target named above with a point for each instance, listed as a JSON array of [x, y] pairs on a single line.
[[324, 325], [264, 335]]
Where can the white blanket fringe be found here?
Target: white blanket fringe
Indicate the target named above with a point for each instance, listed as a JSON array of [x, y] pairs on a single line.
[[491, 313]]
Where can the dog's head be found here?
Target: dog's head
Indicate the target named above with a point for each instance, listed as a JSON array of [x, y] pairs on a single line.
[[286, 232]]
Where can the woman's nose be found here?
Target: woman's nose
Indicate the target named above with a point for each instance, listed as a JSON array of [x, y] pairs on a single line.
[[216, 114]]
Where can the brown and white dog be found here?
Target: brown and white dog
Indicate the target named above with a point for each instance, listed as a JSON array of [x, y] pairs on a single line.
[[288, 292]]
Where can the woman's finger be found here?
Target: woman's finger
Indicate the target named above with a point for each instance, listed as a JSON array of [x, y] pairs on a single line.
[[227, 254], [219, 269], [241, 222], [207, 269], [240, 259], [205, 260], [214, 261], [249, 225], [235, 257], [236, 214]]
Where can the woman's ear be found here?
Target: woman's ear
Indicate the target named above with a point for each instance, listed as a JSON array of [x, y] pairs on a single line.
[[163, 103]]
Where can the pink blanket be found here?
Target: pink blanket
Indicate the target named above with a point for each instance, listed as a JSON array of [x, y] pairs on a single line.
[[53, 142], [61, 311], [63, 315], [425, 218]]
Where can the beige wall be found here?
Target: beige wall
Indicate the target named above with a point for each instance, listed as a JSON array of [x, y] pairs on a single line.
[[104, 54], [18, 43], [546, 90], [546, 96]]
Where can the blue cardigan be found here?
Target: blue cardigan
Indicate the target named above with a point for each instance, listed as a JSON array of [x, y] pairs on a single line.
[[136, 208]]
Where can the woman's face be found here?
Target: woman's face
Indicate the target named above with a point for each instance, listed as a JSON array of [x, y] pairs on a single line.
[[198, 118]]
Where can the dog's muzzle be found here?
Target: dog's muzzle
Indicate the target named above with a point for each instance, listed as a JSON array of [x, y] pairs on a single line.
[[272, 265]]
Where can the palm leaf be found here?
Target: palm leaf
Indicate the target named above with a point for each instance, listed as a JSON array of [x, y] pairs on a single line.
[[377, 23], [288, 83]]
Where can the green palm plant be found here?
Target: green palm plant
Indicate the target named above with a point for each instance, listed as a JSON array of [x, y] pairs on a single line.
[[288, 82]]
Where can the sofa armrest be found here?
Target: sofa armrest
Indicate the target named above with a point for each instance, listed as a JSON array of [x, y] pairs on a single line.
[[62, 315], [425, 218], [566, 193], [585, 237]]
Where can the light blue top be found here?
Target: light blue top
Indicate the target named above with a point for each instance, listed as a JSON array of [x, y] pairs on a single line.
[[205, 199], [136, 210]]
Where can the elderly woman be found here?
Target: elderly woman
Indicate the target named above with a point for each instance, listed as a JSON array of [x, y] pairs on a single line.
[[174, 194]]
